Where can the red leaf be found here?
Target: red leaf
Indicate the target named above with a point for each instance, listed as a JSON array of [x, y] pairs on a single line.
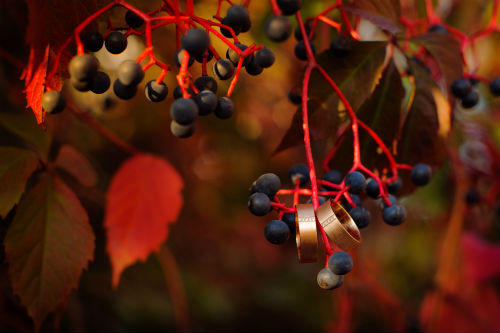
[[47, 246], [35, 85], [383, 13], [77, 165], [481, 259], [143, 199]]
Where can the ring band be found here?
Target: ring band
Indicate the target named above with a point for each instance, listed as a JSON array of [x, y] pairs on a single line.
[[338, 225], [306, 235]]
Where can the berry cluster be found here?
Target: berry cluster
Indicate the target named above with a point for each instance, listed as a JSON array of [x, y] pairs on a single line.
[[347, 190], [463, 89], [193, 97]]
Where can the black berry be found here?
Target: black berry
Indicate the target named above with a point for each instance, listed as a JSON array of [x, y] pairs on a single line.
[[265, 57], [196, 41], [470, 100], [294, 97], [289, 7], [361, 216], [300, 50], [394, 186], [80, 85], [182, 131], [179, 55], [133, 20], [259, 204], [234, 57], [206, 82], [278, 28], [225, 108], [289, 219], [268, 184], [122, 91], [394, 215], [184, 111], [155, 92], [208, 54], [495, 87], [253, 68], [223, 69], [116, 42], [237, 17], [277, 232], [328, 280], [460, 88], [392, 199], [298, 33], [178, 92], [340, 263], [421, 174], [100, 83], [299, 172], [438, 28], [472, 197], [53, 101], [347, 206], [372, 188], [93, 41], [355, 181], [334, 177], [130, 73], [206, 101], [340, 47]]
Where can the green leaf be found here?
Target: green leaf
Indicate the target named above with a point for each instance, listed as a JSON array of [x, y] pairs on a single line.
[[381, 112], [16, 166], [25, 126], [47, 246], [446, 52], [427, 123], [383, 13]]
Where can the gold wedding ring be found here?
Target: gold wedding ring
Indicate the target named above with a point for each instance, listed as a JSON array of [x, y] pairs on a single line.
[[306, 236], [338, 225]]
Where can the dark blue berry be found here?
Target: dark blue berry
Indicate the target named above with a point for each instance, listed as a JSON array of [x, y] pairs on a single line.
[[277, 232], [299, 172], [268, 184], [495, 87], [289, 7], [361, 216], [206, 101], [328, 280], [123, 91], [394, 186], [206, 82], [156, 92], [259, 204], [421, 174], [116, 42], [225, 108], [355, 181], [278, 28], [372, 188], [470, 100], [133, 20], [354, 198], [340, 47], [294, 97], [394, 215], [93, 41], [184, 111], [438, 28], [334, 177], [182, 131], [289, 219], [472, 197], [265, 57], [392, 199], [196, 41], [301, 51], [340, 263], [460, 88]]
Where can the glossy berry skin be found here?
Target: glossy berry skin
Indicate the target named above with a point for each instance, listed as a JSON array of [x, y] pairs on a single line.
[[265, 57], [225, 108], [334, 177], [421, 174], [93, 41], [356, 182], [53, 101], [278, 28], [372, 188], [460, 88], [259, 204], [83, 67], [253, 68], [81, 85], [340, 47], [238, 19], [298, 33], [289, 7], [472, 197], [395, 186], [301, 52], [328, 280], [209, 56], [196, 41], [299, 172], [394, 215], [223, 69], [289, 219], [495, 87], [206, 101], [340, 263], [276, 232], [116, 42], [122, 91], [470, 100], [133, 20], [179, 55], [184, 111], [178, 92], [234, 57], [392, 199], [321, 200], [361, 216], [155, 92], [226, 32], [206, 82], [130, 73], [347, 206], [294, 97], [100, 83], [269, 184], [182, 131]]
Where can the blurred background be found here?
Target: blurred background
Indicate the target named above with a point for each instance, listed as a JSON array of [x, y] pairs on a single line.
[[219, 272]]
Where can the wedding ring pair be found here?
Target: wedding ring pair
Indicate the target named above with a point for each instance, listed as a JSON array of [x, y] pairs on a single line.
[[336, 222]]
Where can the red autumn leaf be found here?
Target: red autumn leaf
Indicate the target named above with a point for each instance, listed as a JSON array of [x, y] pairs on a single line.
[[47, 246], [35, 85], [481, 259], [143, 199]]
